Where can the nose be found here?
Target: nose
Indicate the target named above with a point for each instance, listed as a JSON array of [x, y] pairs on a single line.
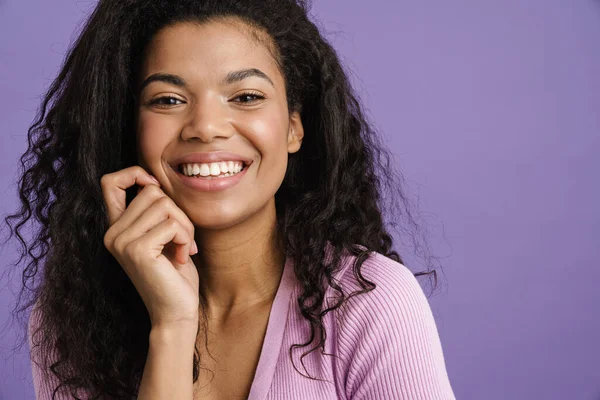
[[208, 120]]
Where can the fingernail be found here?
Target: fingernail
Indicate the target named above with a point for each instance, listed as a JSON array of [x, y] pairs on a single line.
[[154, 179], [194, 247]]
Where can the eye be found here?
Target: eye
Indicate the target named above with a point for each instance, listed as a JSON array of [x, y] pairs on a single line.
[[248, 98], [165, 101]]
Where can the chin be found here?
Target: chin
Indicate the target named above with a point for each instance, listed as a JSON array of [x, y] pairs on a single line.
[[223, 215], [217, 219]]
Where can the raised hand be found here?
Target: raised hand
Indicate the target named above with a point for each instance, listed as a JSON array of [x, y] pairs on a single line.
[[153, 239]]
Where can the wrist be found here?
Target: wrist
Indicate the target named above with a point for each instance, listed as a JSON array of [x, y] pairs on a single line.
[[189, 322], [168, 372], [174, 333]]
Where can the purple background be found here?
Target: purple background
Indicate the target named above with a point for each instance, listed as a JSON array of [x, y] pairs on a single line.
[[491, 109]]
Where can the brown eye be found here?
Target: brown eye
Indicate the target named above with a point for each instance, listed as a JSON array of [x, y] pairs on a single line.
[[248, 98], [166, 101]]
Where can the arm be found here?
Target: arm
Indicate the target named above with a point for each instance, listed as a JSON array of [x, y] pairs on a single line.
[[166, 278], [389, 340], [169, 366], [167, 373]]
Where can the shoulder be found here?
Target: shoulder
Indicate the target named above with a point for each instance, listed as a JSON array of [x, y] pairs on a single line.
[[396, 287], [33, 326], [42, 355], [387, 338], [396, 306], [43, 381]]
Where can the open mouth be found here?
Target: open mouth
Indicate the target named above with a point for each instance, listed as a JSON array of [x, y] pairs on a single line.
[[213, 170]]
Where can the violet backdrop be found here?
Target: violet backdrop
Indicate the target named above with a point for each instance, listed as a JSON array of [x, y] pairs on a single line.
[[492, 111]]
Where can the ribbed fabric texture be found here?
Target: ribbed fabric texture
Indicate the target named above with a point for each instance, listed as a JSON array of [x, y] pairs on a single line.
[[385, 343]]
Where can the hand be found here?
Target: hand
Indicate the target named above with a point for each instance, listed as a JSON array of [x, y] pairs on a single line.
[[153, 239]]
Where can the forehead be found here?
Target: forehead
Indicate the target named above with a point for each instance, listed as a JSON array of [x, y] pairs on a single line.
[[209, 50]]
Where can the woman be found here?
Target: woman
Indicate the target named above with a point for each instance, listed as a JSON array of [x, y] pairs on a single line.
[[209, 195]]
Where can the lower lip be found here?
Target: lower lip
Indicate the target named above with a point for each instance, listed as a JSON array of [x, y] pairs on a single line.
[[211, 185]]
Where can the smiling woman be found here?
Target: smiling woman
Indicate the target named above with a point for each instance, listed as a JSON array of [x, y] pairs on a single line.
[[254, 230], [209, 71]]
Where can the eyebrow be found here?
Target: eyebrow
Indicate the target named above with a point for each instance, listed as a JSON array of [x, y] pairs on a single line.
[[232, 77], [236, 76]]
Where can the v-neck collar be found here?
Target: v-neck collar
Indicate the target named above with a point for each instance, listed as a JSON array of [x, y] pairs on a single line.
[[265, 370]]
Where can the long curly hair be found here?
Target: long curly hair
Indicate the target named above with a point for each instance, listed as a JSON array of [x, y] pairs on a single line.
[[336, 190]]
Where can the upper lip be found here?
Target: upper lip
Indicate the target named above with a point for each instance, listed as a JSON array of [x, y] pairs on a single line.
[[210, 157]]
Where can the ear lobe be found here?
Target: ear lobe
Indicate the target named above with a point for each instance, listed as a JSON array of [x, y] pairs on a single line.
[[295, 132]]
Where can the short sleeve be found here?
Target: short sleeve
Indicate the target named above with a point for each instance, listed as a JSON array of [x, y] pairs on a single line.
[[388, 340]]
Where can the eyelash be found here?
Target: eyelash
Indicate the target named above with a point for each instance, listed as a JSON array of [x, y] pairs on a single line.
[[257, 97]]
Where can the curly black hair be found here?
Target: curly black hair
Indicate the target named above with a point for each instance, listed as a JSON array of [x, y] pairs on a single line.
[[336, 190]]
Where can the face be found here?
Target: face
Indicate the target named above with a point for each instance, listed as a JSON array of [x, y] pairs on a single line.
[[212, 97]]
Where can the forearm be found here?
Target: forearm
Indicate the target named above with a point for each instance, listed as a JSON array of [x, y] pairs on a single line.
[[168, 373]]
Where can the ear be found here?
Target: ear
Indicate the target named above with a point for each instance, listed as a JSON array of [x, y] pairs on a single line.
[[295, 132]]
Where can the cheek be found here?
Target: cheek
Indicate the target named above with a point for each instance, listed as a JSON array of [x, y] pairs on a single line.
[[153, 135], [269, 135]]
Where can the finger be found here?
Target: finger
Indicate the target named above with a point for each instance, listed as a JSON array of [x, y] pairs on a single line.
[[168, 231], [144, 252], [114, 185], [137, 207], [162, 209]]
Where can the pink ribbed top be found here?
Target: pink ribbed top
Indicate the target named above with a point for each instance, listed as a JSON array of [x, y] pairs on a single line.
[[386, 343]]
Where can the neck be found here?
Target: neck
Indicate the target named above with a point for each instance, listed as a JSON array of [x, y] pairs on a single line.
[[240, 267]]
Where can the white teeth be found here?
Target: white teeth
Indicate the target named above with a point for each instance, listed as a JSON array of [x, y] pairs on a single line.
[[216, 169], [204, 169]]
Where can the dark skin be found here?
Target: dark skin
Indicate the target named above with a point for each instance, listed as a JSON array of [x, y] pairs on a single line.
[[228, 95]]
